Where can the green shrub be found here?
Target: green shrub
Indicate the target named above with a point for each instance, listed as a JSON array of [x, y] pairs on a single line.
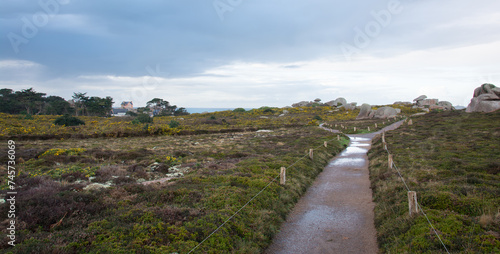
[[68, 120], [143, 118], [174, 124], [240, 110]]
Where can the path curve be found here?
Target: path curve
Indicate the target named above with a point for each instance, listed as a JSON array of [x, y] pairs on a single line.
[[336, 213]]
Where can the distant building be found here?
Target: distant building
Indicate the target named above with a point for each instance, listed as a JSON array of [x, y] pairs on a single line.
[[128, 105]]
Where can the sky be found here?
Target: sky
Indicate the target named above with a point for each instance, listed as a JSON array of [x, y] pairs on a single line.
[[242, 53]]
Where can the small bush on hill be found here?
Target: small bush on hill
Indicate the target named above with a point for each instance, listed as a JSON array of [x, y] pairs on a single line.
[[68, 120], [239, 110], [174, 124], [143, 118]]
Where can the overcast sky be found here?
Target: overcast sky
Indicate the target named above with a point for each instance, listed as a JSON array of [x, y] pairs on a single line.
[[251, 53]]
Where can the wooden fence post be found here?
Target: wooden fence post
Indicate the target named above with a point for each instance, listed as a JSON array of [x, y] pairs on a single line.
[[389, 160], [338, 137], [412, 202], [311, 153], [354, 128], [368, 128], [325, 144], [283, 176]]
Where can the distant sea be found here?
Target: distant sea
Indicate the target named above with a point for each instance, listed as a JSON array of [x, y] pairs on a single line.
[[209, 110]]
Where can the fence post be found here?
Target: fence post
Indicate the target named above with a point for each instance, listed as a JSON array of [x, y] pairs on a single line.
[[311, 154], [389, 160], [354, 128], [283, 176], [325, 144], [338, 137], [412, 202], [376, 125], [368, 128]]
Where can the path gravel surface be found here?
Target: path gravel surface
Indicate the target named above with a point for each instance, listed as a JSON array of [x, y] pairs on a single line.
[[336, 213]]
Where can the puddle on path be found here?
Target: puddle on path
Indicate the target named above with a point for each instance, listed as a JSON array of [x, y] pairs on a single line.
[[352, 162], [336, 213]]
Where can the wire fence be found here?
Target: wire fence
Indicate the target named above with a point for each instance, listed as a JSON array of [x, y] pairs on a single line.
[[393, 164], [262, 190]]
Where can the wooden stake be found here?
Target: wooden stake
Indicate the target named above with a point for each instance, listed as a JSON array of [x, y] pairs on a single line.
[[338, 137], [376, 125], [311, 154], [410, 122], [325, 144], [412, 202], [283, 176], [383, 137], [368, 128], [389, 160], [354, 128]]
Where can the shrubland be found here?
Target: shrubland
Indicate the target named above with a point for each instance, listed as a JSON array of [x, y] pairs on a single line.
[[451, 159]]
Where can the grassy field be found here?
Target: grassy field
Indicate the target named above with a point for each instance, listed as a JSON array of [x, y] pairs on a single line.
[[452, 161]]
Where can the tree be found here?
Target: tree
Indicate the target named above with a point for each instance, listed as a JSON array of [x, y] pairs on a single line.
[[97, 106], [80, 102], [32, 101], [181, 112], [9, 103], [56, 105], [160, 107], [94, 105]]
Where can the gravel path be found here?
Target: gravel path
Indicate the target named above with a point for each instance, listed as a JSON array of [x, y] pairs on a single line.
[[336, 213]]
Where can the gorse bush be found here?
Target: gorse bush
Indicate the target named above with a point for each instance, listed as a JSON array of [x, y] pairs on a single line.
[[143, 118], [174, 124], [68, 120]]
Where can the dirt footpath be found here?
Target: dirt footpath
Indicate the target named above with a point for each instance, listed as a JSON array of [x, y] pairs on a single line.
[[336, 213]]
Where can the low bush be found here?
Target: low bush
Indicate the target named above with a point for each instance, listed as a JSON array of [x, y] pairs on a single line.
[[68, 120]]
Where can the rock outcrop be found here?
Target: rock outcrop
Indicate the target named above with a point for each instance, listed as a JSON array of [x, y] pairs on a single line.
[[486, 99], [385, 112], [446, 105], [335, 103], [300, 104], [430, 104], [350, 106], [404, 103], [365, 111], [382, 113]]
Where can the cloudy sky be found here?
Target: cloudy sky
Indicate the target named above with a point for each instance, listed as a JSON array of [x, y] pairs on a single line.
[[251, 53]]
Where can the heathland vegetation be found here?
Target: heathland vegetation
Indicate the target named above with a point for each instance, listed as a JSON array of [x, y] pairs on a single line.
[[220, 159], [451, 159], [163, 184]]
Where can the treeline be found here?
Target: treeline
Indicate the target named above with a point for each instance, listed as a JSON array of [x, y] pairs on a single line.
[[30, 102]]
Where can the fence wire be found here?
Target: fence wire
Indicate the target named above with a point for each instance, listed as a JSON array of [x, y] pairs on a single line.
[[255, 196], [419, 207]]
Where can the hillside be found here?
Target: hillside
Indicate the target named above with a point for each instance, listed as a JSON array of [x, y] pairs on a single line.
[[451, 159]]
